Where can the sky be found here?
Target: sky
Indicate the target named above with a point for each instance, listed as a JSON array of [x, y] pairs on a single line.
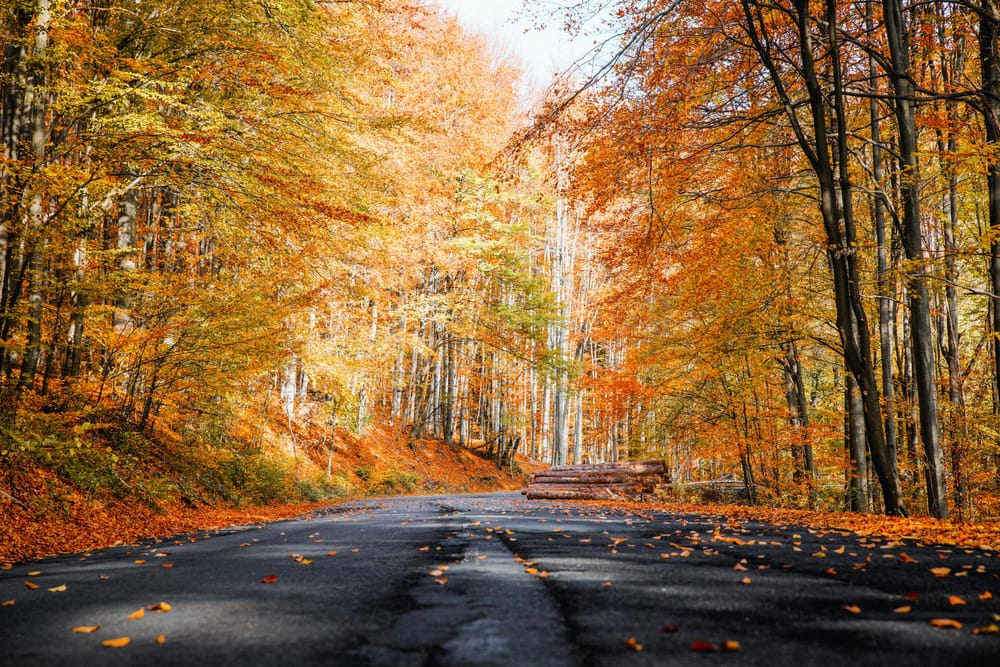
[[542, 52]]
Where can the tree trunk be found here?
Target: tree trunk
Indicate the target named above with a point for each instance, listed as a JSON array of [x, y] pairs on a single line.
[[922, 336], [854, 434]]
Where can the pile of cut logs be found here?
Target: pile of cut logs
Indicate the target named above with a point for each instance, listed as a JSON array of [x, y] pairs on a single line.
[[626, 480]]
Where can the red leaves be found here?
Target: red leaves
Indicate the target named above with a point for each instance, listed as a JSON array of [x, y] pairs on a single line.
[[702, 646], [269, 579]]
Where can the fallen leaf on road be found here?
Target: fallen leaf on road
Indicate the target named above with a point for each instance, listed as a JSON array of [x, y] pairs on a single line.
[[160, 639], [86, 628], [830, 571], [167, 566], [331, 553], [30, 585], [955, 601], [946, 623], [905, 609], [702, 646], [442, 581], [986, 595], [633, 644], [906, 559], [138, 613], [670, 627], [117, 642], [852, 608], [940, 572], [913, 597], [160, 607], [531, 570], [606, 584], [269, 579], [745, 580], [140, 562], [7, 603], [436, 572], [730, 645], [58, 589], [991, 629], [34, 573]]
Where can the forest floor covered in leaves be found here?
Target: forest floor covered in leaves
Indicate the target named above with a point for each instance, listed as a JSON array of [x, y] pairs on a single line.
[[51, 505]]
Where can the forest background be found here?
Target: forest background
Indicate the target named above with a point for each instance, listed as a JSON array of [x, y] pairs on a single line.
[[274, 250]]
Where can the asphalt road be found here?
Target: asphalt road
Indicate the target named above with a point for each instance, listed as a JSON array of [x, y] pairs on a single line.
[[497, 580]]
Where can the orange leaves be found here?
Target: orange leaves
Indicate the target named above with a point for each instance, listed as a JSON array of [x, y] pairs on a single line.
[[903, 558], [955, 601], [118, 642], [160, 607], [905, 609], [137, 614], [940, 572], [946, 623], [7, 603], [30, 585], [851, 608], [633, 644], [86, 628]]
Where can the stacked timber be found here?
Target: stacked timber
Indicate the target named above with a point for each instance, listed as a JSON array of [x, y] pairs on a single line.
[[626, 480]]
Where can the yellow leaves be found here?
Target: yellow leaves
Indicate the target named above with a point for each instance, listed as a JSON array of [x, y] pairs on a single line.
[[940, 572], [946, 623], [137, 614], [34, 573], [118, 642], [160, 607], [86, 628], [991, 629], [299, 558], [58, 589]]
